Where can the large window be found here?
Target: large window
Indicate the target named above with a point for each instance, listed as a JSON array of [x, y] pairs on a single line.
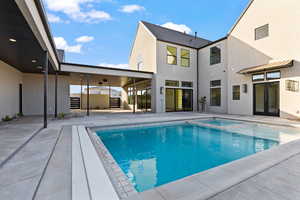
[[236, 92], [171, 55], [215, 55], [185, 57], [215, 93], [262, 32]]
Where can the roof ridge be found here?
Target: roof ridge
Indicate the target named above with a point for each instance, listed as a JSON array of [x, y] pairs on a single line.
[[183, 33]]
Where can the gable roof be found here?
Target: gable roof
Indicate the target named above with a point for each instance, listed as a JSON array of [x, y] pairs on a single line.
[[241, 16], [176, 37]]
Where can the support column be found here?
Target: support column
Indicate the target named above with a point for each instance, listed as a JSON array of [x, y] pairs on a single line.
[[88, 97], [45, 89], [81, 94], [55, 112], [134, 96], [109, 94]]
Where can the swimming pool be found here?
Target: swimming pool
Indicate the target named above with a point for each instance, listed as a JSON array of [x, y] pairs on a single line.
[[220, 122], [156, 155]]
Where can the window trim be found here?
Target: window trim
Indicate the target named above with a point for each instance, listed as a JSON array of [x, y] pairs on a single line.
[[187, 58], [239, 93], [220, 56], [175, 57]]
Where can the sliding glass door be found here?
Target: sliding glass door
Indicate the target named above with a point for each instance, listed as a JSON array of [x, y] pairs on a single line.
[[179, 100], [266, 99]]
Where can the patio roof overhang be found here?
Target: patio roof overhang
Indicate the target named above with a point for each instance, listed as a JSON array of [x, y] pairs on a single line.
[[267, 67], [25, 36], [103, 76]]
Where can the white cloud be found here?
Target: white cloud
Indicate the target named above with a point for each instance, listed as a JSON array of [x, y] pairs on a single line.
[[177, 27], [61, 43], [84, 39], [131, 8], [119, 66], [72, 8], [53, 18]]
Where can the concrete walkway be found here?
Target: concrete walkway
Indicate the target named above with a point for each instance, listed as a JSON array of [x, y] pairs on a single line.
[[14, 134], [41, 169]]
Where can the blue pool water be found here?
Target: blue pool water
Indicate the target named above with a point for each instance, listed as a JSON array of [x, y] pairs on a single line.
[[152, 156], [220, 122]]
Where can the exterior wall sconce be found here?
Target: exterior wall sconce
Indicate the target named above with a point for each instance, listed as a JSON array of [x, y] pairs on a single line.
[[161, 90]]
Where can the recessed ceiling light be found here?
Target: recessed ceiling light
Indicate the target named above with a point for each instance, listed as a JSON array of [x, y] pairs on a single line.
[[12, 40], [34, 61]]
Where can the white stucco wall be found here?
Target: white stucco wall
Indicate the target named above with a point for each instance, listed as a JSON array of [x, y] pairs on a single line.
[[143, 50], [245, 51], [173, 72], [10, 78], [209, 73], [33, 95]]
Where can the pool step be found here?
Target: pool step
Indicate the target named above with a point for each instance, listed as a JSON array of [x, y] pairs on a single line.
[[89, 178]]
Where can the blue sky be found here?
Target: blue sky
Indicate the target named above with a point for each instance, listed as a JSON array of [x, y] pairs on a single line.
[[102, 31]]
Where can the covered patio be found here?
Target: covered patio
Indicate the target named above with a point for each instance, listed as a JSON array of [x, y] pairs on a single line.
[[27, 50], [134, 88]]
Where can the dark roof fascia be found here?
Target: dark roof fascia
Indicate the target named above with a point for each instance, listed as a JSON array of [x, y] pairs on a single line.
[[177, 44], [214, 42], [42, 14], [107, 68]]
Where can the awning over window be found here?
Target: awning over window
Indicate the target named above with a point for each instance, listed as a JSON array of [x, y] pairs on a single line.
[[266, 67]]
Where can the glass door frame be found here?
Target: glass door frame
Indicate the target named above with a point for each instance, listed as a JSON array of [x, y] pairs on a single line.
[[175, 100], [266, 99]]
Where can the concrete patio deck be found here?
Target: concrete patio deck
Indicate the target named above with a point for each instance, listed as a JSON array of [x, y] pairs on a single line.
[[41, 168]]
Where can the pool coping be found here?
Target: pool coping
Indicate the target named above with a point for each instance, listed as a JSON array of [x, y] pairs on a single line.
[[211, 182]]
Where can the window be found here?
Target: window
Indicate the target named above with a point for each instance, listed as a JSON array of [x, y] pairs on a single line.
[[215, 83], [172, 83], [185, 57], [236, 91], [273, 75], [130, 96], [262, 32], [172, 55], [215, 93], [186, 84], [292, 86], [258, 77], [215, 55]]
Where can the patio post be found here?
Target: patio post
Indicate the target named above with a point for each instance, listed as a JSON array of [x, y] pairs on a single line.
[[46, 62], [88, 97], [81, 94], [55, 106], [134, 95], [109, 97]]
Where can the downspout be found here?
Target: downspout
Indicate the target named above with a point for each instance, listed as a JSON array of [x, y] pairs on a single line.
[[197, 80]]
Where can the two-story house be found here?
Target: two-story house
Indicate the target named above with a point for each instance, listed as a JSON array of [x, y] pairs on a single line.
[[253, 70]]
